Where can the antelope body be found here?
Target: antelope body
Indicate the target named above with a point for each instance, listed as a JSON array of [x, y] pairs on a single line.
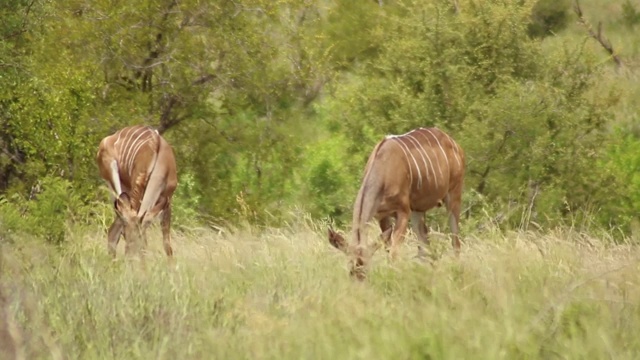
[[140, 169], [405, 176]]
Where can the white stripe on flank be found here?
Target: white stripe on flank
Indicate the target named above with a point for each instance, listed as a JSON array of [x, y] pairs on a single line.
[[431, 164], [414, 161], [402, 147], [437, 162], [455, 148], [125, 137], [422, 153], [131, 144], [135, 152], [118, 139], [126, 146], [446, 158], [130, 156]]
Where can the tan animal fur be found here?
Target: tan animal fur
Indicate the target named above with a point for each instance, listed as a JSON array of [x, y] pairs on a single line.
[[140, 169], [405, 176]]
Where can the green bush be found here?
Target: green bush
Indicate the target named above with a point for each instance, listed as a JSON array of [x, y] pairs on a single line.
[[525, 117], [329, 186], [630, 15], [548, 17], [46, 214], [185, 209]]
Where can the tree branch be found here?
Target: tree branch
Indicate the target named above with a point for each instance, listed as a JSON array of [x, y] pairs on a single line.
[[167, 120], [203, 79], [598, 36], [485, 174]]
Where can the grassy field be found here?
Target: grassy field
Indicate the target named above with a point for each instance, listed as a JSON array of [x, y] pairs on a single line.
[[285, 294]]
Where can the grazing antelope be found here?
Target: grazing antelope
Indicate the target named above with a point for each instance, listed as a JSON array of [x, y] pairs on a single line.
[[140, 169], [405, 176]]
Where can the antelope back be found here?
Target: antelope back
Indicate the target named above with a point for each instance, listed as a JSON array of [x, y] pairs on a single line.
[[432, 159], [134, 150]]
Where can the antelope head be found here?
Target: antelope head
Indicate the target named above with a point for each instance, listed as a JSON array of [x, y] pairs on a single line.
[[359, 255], [133, 227], [134, 224]]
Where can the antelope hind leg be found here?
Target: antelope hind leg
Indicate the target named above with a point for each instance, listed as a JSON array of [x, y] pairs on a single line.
[[165, 223], [422, 232], [385, 224]]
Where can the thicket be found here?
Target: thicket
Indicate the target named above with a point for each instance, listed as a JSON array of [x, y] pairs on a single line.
[[273, 107]]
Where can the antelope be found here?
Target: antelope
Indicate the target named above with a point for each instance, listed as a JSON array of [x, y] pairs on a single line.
[[139, 168], [405, 176]]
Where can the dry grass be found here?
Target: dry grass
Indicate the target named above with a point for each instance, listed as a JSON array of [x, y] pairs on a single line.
[[286, 294]]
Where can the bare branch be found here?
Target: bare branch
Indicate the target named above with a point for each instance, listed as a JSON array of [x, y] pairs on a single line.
[[167, 119], [203, 79], [598, 36]]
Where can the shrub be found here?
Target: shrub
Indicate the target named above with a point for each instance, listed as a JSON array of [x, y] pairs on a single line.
[[548, 17], [630, 15], [52, 205], [525, 117]]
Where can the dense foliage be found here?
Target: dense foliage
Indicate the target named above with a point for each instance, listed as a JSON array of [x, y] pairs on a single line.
[[273, 106]]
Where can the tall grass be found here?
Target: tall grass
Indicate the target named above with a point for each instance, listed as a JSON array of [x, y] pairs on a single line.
[[285, 294]]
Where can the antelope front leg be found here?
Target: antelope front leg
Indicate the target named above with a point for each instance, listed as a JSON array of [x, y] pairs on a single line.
[[165, 223], [402, 220], [422, 231], [385, 224], [113, 235]]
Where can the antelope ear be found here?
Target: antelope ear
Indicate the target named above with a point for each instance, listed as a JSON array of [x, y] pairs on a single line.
[[122, 200], [154, 211], [386, 236], [160, 205], [337, 240]]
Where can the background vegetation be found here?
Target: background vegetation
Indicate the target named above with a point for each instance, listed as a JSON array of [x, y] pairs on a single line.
[[273, 106]]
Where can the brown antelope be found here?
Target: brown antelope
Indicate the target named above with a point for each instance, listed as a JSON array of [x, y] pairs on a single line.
[[140, 169], [405, 176]]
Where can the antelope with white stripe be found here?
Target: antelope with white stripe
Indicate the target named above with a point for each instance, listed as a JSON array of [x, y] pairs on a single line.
[[405, 176], [140, 169]]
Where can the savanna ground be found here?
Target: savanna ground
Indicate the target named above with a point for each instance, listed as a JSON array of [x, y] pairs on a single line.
[[285, 294]]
